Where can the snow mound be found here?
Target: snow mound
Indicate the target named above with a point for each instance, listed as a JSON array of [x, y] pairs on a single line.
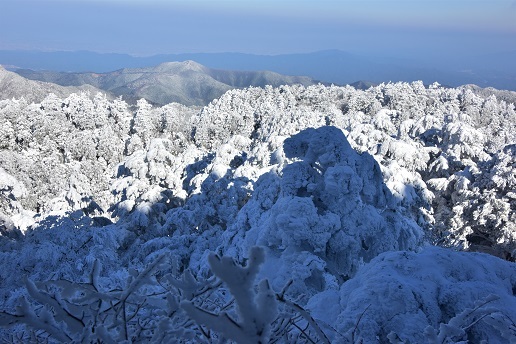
[[399, 294], [322, 214]]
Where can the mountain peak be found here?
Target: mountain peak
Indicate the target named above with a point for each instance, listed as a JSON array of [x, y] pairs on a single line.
[[184, 66], [192, 64]]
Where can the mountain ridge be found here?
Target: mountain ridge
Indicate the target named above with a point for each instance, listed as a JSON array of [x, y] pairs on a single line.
[[188, 82]]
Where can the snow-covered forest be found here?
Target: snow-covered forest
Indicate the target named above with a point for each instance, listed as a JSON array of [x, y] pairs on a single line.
[[290, 214]]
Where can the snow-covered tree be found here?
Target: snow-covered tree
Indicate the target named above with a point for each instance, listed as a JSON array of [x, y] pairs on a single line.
[[345, 190]]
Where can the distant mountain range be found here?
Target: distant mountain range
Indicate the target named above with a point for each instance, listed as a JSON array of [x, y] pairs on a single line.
[[332, 66], [188, 83]]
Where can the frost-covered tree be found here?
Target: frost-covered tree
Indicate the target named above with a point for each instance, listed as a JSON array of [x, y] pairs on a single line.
[[327, 204], [435, 296]]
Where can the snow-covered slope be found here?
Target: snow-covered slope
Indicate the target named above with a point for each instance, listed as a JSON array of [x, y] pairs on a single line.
[[134, 225], [14, 86]]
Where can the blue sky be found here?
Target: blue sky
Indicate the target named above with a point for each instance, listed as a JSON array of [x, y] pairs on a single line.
[[146, 27]]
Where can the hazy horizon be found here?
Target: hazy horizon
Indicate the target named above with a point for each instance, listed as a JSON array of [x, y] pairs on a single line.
[[412, 29]]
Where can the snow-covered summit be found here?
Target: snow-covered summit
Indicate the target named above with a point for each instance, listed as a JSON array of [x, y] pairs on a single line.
[[178, 67]]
